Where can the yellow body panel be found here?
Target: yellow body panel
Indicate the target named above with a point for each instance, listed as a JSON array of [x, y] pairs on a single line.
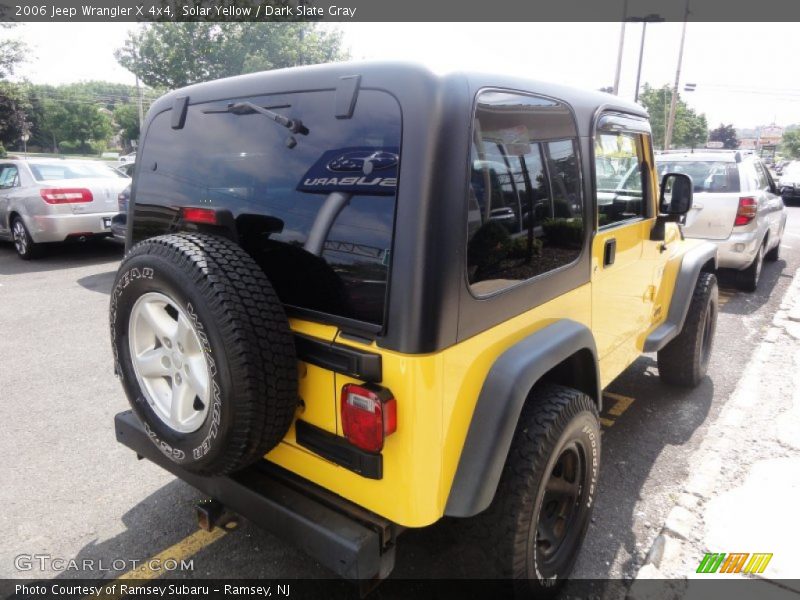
[[436, 394]]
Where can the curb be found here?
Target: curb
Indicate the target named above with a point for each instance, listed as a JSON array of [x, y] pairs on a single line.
[[674, 552]]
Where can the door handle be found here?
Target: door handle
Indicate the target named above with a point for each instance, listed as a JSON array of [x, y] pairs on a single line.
[[609, 252]]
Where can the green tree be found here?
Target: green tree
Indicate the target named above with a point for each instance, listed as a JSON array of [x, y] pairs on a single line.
[[725, 134], [690, 129], [126, 116], [790, 143], [173, 55], [12, 52], [14, 108], [69, 117]]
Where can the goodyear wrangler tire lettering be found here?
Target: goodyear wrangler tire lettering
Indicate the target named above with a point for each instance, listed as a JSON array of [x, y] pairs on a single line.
[[236, 377], [541, 510]]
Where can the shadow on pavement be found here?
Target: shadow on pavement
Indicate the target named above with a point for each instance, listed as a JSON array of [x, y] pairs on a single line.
[[99, 282], [59, 256], [661, 417], [745, 303]]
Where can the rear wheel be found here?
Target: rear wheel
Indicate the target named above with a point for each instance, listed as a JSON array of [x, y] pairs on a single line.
[[748, 279], [775, 253], [684, 361], [541, 510], [23, 242]]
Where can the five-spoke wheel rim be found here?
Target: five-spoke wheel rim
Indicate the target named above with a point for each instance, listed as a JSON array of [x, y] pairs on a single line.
[[169, 362], [20, 238], [557, 526]]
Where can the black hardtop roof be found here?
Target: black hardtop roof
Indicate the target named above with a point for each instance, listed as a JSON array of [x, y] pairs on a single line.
[[394, 76]]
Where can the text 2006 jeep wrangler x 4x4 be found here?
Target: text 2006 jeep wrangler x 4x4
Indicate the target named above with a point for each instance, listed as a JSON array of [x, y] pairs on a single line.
[[358, 298]]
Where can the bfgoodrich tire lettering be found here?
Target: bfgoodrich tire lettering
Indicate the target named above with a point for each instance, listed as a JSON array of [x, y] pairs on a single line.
[[245, 338], [541, 510], [684, 361]]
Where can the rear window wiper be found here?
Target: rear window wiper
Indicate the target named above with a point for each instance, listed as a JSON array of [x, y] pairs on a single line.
[[248, 108]]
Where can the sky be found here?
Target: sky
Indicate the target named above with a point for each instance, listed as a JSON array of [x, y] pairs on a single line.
[[741, 70]]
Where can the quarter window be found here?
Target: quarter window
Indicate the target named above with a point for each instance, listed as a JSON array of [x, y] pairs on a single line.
[[525, 214], [618, 177]]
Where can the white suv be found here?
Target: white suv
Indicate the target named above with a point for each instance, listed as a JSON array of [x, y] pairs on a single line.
[[736, 205]]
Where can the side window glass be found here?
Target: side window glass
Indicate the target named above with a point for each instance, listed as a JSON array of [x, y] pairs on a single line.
[[525, 207], [619, 177], [8, 177]]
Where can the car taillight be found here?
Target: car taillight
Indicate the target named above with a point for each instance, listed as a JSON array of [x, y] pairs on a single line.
[[748, 207], [369, 414], [66, 195], [206, 216]]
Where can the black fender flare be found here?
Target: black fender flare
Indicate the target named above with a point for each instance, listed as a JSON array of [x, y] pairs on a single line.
[[691, 264], [504, 392]]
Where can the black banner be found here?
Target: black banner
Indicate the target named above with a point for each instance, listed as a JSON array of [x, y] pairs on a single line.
[[734, 588], [396, 10]]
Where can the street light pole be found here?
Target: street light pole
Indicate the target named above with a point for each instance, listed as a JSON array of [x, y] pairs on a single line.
[[641, 56], [621, 45], [674, 103]]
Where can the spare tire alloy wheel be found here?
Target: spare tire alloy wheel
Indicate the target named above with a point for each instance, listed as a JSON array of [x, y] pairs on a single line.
[[169, 362], [204, 351]]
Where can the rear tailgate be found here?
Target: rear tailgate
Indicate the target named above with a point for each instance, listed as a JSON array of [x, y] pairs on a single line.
[[712, 215]]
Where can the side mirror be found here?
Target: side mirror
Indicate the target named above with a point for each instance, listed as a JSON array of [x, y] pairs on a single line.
[[676, 195]]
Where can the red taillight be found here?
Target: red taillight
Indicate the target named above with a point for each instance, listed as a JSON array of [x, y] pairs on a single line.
[[369, 414], [748, 208], [66, 195], [206, 216]]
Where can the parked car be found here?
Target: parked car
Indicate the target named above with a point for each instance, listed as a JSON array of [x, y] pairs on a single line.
[[320, 322], [790, 182], [128, 158], [52, 200], [737, 206], [126, 168], [780, 166], [119, 222]]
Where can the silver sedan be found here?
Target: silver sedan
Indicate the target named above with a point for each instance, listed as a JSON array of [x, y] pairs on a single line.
[[53, 200]]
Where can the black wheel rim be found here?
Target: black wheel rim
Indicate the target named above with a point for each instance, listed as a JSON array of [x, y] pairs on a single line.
[[559, 524]]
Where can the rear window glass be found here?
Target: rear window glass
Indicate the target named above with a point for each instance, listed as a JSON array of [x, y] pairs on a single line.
[[708, 176], [83, 170], [316, 209]]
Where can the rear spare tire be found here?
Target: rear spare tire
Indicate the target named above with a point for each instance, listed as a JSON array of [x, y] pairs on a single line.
[[203, 349]]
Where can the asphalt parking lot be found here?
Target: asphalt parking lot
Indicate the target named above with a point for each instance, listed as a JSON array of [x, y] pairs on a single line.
[[69, 490]]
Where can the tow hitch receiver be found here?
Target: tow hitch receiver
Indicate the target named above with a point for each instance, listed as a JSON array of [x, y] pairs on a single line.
[[212, 513]]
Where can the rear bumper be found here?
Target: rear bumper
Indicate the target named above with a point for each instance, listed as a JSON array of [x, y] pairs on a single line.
[[738, 251], [350, 541], [57, 228], [119, 226]]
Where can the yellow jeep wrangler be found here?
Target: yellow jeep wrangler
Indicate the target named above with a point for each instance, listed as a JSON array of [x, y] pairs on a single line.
[[358, 298]]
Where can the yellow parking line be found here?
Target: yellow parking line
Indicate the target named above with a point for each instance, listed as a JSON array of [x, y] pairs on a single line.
[[621, 403], [187, 547], [725, 296], [606, 422]]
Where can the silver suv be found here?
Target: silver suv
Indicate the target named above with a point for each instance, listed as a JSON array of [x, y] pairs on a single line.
[[736, 205]]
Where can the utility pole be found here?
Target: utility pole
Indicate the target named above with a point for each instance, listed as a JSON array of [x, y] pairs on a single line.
[[641, 56], [674, 103], [621, 45]]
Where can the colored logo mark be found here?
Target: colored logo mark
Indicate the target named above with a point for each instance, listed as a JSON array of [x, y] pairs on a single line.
[[719, 562]]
